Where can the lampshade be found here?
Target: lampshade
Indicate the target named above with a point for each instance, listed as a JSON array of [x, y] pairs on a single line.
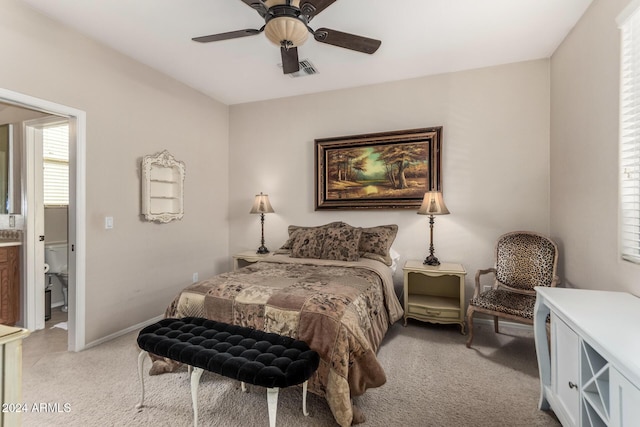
[[433, 204], [286, 30], [261, 204]]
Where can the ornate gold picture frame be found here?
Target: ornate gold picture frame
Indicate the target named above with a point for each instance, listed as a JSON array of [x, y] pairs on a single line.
[[388, 170]]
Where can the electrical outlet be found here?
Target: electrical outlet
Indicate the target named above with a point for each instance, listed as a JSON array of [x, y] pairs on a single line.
[[108, 222], [195, 277], [12, 221]]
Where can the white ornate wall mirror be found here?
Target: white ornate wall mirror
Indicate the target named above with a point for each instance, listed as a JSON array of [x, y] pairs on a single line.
[[162, 187]]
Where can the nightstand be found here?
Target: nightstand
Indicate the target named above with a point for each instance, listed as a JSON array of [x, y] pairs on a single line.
[[434, 293], [242, 259]]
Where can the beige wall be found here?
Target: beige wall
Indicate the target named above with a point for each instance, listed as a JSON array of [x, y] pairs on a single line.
[[136, 268], [55, 224], [495, 158], [584, 153], [55, 231]]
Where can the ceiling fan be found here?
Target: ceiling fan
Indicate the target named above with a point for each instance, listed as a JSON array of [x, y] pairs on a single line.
[[287, 25]]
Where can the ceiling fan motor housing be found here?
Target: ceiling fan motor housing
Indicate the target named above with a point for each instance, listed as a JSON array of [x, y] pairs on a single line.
[[285, 26]]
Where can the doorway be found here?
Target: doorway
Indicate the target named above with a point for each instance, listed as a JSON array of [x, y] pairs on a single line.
[[33, 258]]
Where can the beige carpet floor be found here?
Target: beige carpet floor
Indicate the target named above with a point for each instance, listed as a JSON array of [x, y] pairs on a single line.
[[432, 380]]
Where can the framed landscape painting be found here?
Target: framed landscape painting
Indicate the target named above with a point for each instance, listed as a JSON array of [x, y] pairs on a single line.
[[386, 170]]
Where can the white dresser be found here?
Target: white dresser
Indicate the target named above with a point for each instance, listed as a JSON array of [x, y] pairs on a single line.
[[591, 374]]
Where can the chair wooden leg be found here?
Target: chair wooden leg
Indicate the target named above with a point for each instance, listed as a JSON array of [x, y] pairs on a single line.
[[470, 325], [549, 337], [495, 324]]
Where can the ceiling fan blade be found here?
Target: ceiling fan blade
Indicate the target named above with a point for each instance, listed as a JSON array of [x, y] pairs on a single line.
[[290, 62], [227, 36], [313, 7], [257, 5], [346, 40]]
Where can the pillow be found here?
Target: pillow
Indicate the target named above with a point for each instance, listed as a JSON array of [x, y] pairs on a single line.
[[286, 248], [293, 233], [308, 243], [341, 243], [375, 242]]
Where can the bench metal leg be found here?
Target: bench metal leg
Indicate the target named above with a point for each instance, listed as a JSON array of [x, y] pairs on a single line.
[[141, 358], [195, 381], [304, 398], [272, 404]]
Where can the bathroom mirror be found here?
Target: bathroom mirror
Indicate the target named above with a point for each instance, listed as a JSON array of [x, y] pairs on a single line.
[[10, 183], [12, 118], [5, 168]]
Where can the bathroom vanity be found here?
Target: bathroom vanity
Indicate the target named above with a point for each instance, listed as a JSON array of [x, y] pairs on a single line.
[[9, 283]]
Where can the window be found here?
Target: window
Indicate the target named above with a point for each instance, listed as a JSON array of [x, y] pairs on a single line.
[[629, 22], [55, 157]]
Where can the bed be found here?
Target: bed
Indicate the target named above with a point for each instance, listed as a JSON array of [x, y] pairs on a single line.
[[330, 286]]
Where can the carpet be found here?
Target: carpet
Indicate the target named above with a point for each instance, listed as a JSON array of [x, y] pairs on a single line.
[[432, 380]]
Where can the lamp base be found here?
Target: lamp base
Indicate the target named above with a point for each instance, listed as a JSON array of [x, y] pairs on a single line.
[[262, 250], [431, 260]]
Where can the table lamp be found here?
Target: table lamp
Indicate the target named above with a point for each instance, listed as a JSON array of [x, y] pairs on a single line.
[[432, 204], [262, 206]]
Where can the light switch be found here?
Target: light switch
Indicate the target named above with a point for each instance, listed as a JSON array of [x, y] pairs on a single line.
[[108, 222]]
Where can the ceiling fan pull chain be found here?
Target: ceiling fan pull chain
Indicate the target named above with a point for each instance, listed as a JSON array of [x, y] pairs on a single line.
[[286, 44]]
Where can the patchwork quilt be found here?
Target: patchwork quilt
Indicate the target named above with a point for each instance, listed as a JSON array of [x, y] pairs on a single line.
[[340, 309]]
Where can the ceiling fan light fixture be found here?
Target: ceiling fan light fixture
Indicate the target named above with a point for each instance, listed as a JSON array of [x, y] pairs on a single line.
[[287, 31]]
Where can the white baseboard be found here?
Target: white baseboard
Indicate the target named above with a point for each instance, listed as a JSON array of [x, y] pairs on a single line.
[[124, 331]]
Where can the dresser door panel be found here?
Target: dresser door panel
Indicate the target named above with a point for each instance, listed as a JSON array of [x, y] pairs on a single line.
[[565, 368], [625, 401]]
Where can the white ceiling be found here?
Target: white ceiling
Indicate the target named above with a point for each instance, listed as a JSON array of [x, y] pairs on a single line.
[[419, 37]]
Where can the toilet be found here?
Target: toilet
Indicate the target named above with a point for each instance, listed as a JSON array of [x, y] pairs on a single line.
[[55, 258]]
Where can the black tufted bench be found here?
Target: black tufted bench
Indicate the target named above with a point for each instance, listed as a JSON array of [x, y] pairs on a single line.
[[248, 355]]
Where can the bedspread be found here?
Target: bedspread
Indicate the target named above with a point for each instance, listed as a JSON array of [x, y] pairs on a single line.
[[340, 309]]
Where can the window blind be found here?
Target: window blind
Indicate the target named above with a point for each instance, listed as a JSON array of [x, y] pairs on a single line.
[[55, 156]]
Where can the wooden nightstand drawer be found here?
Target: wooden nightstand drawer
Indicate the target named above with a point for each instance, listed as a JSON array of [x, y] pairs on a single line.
[[441, 313]]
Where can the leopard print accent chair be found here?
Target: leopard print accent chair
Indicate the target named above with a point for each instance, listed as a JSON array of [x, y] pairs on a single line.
[[523, 260]]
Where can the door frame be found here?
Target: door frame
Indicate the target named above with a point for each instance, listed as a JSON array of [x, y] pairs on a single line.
[[77, 220]]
